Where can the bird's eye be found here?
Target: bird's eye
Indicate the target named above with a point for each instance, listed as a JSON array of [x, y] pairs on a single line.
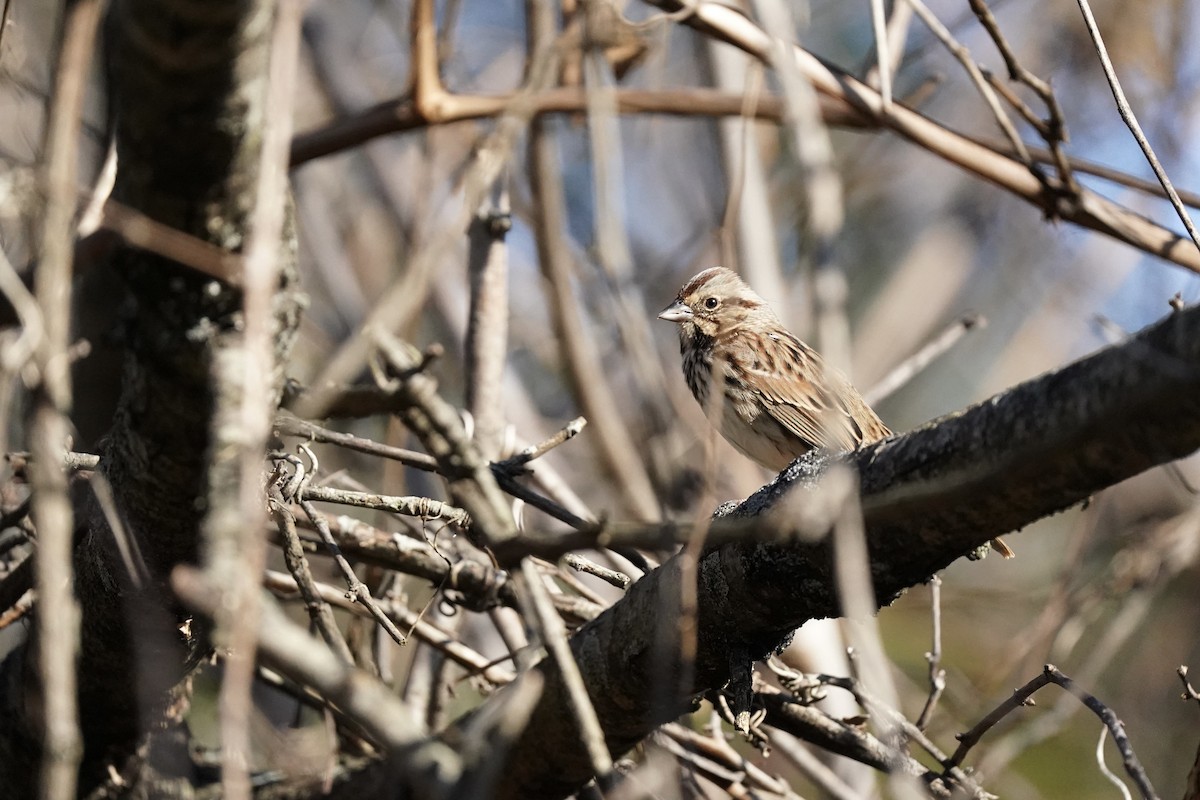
[[711, 303]]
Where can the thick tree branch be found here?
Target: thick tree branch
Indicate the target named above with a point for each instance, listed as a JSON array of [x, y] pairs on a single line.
[[929, 497]]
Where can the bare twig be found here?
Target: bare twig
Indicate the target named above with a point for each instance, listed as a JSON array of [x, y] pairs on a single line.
[[487, 329], [798, 524], [439, 427], [1023, 697], [17, 583], [904, 372], [568, 432], [491, 735], [293, 556], [807, 722], [610, 576], [4, 22], [71, 462], [1105, 771], [870, 702], [937, 675], [554, 637], [16, 354], [454, 650], [696, 753], [289, 425], [1042, 155], [422, 507], [715, 747], [57, 633], [812, 767], [16, 518], [358, 589], [1127, 621], [559, 573], [147, 233], [246, 391], [883, 58], [513, 487], [1189, 693], [289, 649], [401, 114], [127, 543], [1054, 129], [1193, 779], [1130, 120], [963, 56]]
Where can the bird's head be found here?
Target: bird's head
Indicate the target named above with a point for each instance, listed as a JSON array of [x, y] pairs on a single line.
[[715, 302]]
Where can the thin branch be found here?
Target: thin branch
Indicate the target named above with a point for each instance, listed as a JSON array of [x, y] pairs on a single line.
[[1130, 120], [289, 649], [481, 585], [609, 576], [1189, 693], [1054, 129], [17, 583], [58, 618], [814, 519], [296, 491], [898, 722], [18, 610], [401, 114], [910, 367], [293, 556], [421, 507], [715, 749], [288, 425], [1023, 697], [883, 58], [812, 767], [454, 650], [584, 369], [730, 780], [4, 23], [439, 427], [809, 723], [71, 462], [937, 675], [963, 56], [358, 589], [139, 230], [554, 637], [1109, 775], [16, 354], [542, 503], [486, 345], [1081, 165], [565, 434]]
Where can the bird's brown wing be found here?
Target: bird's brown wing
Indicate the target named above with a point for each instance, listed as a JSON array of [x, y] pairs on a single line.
[[808, 398]]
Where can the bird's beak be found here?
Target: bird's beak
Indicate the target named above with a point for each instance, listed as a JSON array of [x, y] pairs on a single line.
[[676, 312]]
